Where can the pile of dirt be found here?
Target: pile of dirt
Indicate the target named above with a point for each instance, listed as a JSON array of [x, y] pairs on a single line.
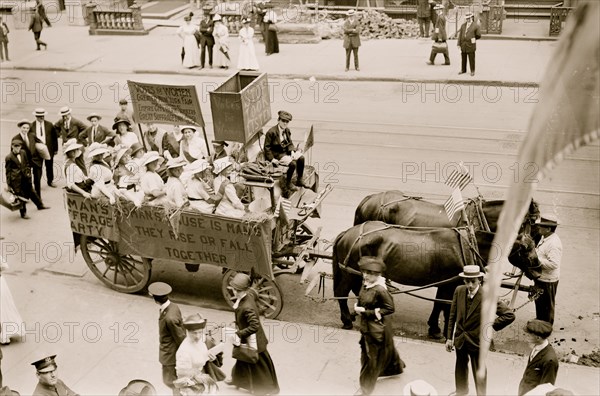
[[374, 25], [590, 359]]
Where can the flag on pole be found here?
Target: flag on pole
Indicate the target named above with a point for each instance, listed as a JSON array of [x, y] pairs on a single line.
[[454, 203], [309, 139], [459, 178], [565, 118]]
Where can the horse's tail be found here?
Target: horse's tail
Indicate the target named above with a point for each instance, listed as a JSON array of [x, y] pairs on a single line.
[[359, 217]]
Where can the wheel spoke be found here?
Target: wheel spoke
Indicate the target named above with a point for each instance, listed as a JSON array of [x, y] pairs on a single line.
[[127, 267], [99, 252], [130, 266]]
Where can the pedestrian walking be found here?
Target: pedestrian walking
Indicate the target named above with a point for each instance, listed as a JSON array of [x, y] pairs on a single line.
[[10, 318], [440, 46], [379, 357], [37, 25], [29, 143], [351, 38], [464, 326], [170, 331], [48, 135], [221, 35], [247, 58], [3, 41], [207, 41], [48, 382], [259, 378], [542, 364], [190, 53], [272, 41], [549, 252], [468, 35], [424, 17]]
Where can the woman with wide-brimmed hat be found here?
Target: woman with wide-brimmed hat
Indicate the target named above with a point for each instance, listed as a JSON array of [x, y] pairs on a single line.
[[175, 189], [230, 204], [199, 187], [151, 182], [379, 357], [259, 378], [123, 128], [127, 175], [101, 173], [193, 147], [75, 173]]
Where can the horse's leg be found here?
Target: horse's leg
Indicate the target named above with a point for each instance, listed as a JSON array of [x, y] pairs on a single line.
[[433, 322], [446, 292]]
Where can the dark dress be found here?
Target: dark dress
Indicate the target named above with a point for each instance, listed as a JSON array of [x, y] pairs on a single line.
[[379, 357], [258, 378]]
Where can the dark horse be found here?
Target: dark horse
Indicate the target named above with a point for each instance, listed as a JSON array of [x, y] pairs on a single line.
[[416, 256]]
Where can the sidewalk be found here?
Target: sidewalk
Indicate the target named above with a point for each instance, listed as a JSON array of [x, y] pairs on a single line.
[[71, 48]]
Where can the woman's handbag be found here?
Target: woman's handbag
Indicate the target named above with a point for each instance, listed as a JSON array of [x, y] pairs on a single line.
[[245, 353], [439, 47], [10, 201], [376, 328]]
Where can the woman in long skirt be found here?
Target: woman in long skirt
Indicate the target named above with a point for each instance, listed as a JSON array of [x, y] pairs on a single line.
[[221, 35], [258, 378], [191, 56], [247, 59], [379, 357], [272, 41], [10, 319]]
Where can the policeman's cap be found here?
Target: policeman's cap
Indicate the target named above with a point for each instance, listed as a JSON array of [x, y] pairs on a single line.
[[159, 289]]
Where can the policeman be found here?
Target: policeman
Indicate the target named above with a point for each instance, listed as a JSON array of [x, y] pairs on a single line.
[[48, 382]]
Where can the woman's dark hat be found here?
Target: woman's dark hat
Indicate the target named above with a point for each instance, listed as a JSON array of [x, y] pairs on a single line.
[[374, 264], [135, 147], [241, 282], [120, 120]]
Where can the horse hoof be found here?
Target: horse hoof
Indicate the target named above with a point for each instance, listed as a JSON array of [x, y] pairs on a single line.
[[347, 326]]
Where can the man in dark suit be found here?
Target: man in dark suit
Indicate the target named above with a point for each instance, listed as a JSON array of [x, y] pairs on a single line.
[[207, 41], [69, 127], [46, 133], [424, 17], [28, 140], [439, 36], [48, 382], [351, 38], [37, 24], [542, 365], [279, 147], [464, 328], [18, 176], [170, 331], [96, 132], [467, 36]]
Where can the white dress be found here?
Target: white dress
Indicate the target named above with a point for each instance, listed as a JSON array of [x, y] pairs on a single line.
[[11, 322], [129, 139], [193, 149], [176, 194], [230, 205], [247, 58], [74, 175], [190, 45], [196, 190], [104, 185], [221, 35]]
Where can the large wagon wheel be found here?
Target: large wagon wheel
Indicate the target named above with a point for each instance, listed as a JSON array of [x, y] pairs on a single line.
[[123, 273], [270, 297]]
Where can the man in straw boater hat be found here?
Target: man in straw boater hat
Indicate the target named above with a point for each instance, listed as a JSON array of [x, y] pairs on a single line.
[[468, 35], [47, 134], [68, 127], [48, 382], [440, 37], [170, 331], [96, 132], [351, 29], [542, 364], [464, 326]]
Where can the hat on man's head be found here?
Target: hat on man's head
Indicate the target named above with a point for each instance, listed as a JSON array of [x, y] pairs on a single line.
[[93, 115], [71, 145], [187, 18], [548, 219], [138, 387], [371, 263], [351, 12], [284, 115], [45, 364], [194, 322], [123, 102], [419, 388], [65, 111], [471, 271], [40, 112], [159, 289], [23, 121], [539, 328], [216, 17], [220, 143], [469, 15], [241, 282]]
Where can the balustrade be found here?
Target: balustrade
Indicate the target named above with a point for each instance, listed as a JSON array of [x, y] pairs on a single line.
[[558, 16], [115, 22]]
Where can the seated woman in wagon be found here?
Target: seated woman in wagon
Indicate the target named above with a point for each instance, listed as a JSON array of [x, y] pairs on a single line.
[[125, 136], [101, 173], [151, 183], [126, 176], [199, 187], [192, 146], [175, 189], [75, 173], [230, 205]]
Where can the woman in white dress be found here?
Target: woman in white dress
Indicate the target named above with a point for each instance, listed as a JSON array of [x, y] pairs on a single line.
[[192, 146], [75, 173], [199, 188], [10, 319], [187, 32], [230, 205], [176, 194], [247, 59], [101, 173], [221, 35], [126, 176], [125, 136], [152, 184]]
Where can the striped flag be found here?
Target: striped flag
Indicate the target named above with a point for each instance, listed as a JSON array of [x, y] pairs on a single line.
[[459, 178], [284, 204], [454, 203]]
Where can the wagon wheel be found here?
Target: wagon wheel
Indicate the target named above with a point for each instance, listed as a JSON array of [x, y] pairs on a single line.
[[270, 297], [123, 273]]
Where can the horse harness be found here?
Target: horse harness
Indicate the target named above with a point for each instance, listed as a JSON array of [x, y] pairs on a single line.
[[383, 203]]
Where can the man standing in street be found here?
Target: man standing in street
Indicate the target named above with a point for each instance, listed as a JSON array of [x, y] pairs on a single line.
[[46, 133], [424, 17], [467, 37], [34, 160], [170, 331], [542, 365], [351, 38], [48, 382], [549, 251], [68, 127], [207, 41], [465, 316], [37, 24], [439, 37]]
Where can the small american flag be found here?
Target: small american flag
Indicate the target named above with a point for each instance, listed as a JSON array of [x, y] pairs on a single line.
[[286, 204], [459, 179], [454, 203]]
